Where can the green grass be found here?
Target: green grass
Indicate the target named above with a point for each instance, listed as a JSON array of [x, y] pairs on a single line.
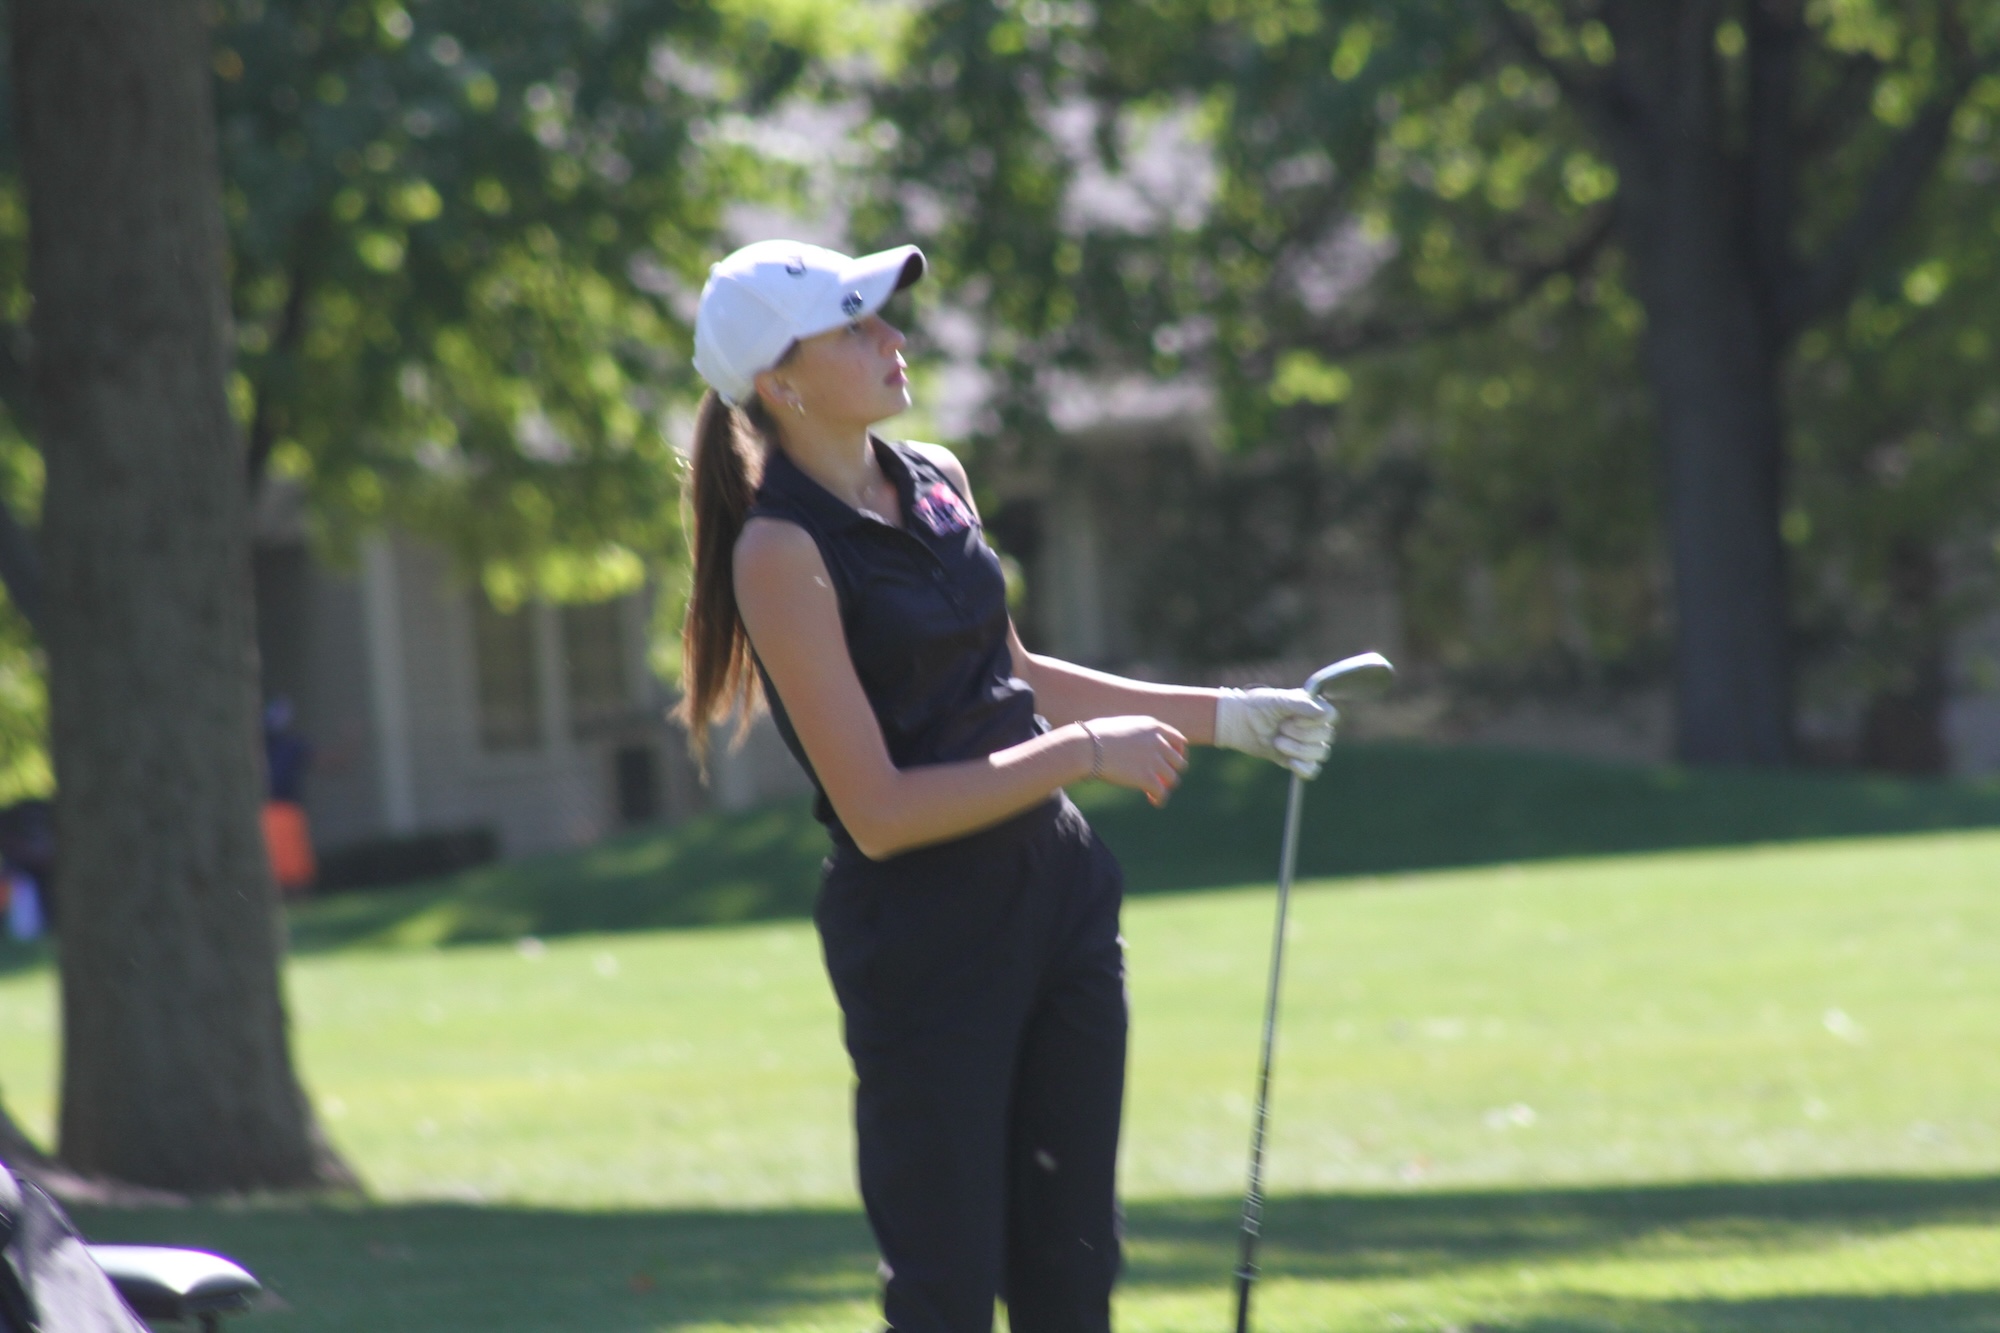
[[1378, 809], [1721, 1090], [1842, 1256]]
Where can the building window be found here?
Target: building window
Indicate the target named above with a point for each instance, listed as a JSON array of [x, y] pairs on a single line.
[[600, 691], [510, 713], [636, 780]]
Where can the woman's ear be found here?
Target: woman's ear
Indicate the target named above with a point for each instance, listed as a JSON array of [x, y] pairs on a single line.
[[779, 398], [771, 390]]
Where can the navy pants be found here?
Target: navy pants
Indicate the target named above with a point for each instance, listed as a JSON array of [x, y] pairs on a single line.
[[982, 984]]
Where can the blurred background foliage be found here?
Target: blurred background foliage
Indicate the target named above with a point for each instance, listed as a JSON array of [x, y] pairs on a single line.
[[467, 236], [1389, 241]]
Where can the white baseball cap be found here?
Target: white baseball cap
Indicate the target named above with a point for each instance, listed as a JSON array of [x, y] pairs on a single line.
[[766, 296]]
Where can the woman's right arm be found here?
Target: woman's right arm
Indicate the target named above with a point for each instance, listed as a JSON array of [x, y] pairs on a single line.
[[793, 618]]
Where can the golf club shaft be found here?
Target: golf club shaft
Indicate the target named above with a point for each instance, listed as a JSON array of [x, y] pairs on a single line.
[[1253, 1199]]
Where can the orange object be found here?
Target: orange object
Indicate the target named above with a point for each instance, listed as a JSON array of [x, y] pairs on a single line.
[[288, 840]]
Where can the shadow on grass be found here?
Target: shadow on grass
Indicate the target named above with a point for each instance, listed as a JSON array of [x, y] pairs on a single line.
[[437, 1267], [1377, 809], [444, 1267], [1956, 1312], [1357, 1236], [717, 870], [16, 956]]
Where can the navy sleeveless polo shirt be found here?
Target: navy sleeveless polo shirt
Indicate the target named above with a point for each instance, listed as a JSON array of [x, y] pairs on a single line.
[[924, 608]]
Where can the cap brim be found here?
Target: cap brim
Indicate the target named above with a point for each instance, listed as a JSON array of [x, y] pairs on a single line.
[[885, 271]]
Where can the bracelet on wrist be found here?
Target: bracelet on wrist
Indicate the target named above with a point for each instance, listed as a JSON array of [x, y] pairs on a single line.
[[1096, 753]]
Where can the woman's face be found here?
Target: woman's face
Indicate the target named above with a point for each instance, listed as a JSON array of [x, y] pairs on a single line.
[[850, 376]]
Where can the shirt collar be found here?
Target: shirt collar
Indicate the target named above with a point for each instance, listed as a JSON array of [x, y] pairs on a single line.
[[786, 480]]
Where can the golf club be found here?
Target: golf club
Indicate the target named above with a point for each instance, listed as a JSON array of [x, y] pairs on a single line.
[[1365, 676]]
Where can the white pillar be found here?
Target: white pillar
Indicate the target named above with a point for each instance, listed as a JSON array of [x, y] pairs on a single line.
[[1073, 570], [388, 690], [552, 674]]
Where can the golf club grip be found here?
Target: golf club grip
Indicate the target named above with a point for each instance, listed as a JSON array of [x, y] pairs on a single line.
[[1246, 1254]]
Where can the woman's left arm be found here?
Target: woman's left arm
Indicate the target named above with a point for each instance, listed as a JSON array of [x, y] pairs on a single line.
[[1066, 692]]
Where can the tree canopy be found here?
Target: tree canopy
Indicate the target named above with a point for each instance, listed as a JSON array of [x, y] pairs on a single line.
[[465, 239], [1455, 244], [466, 235]]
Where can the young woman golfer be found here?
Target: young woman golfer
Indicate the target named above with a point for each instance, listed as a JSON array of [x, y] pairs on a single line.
[[968, 915]]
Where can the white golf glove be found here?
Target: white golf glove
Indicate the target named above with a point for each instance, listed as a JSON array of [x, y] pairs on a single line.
[[1287, 727]]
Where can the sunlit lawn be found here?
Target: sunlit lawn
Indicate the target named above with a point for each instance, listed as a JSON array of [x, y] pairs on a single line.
[[1752, 1089]]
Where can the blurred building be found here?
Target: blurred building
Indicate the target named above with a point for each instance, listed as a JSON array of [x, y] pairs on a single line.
[[1096, 523], [1083, 518], [446, 729]]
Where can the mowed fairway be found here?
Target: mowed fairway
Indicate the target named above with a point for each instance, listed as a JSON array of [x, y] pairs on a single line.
[[1738, 1090]]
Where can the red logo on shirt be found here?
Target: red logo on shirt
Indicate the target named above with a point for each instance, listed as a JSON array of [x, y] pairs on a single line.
[[941, 510]]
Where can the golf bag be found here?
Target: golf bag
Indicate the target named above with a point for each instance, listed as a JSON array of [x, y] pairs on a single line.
[[48, 1281]]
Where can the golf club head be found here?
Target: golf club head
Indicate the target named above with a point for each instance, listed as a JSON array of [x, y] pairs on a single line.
[[1363, 676]]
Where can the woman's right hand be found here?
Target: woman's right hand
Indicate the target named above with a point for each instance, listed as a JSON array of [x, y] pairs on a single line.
[[1139, 752]]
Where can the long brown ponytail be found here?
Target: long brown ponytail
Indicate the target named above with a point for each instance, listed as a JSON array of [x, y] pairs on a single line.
[[728, 463]]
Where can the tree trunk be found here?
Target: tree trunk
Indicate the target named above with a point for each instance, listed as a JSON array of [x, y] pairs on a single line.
[[1713, 349], [1902, 730], [176, 1068], [1715, 384]]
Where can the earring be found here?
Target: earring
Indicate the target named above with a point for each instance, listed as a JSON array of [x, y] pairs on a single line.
[[799, 406]]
